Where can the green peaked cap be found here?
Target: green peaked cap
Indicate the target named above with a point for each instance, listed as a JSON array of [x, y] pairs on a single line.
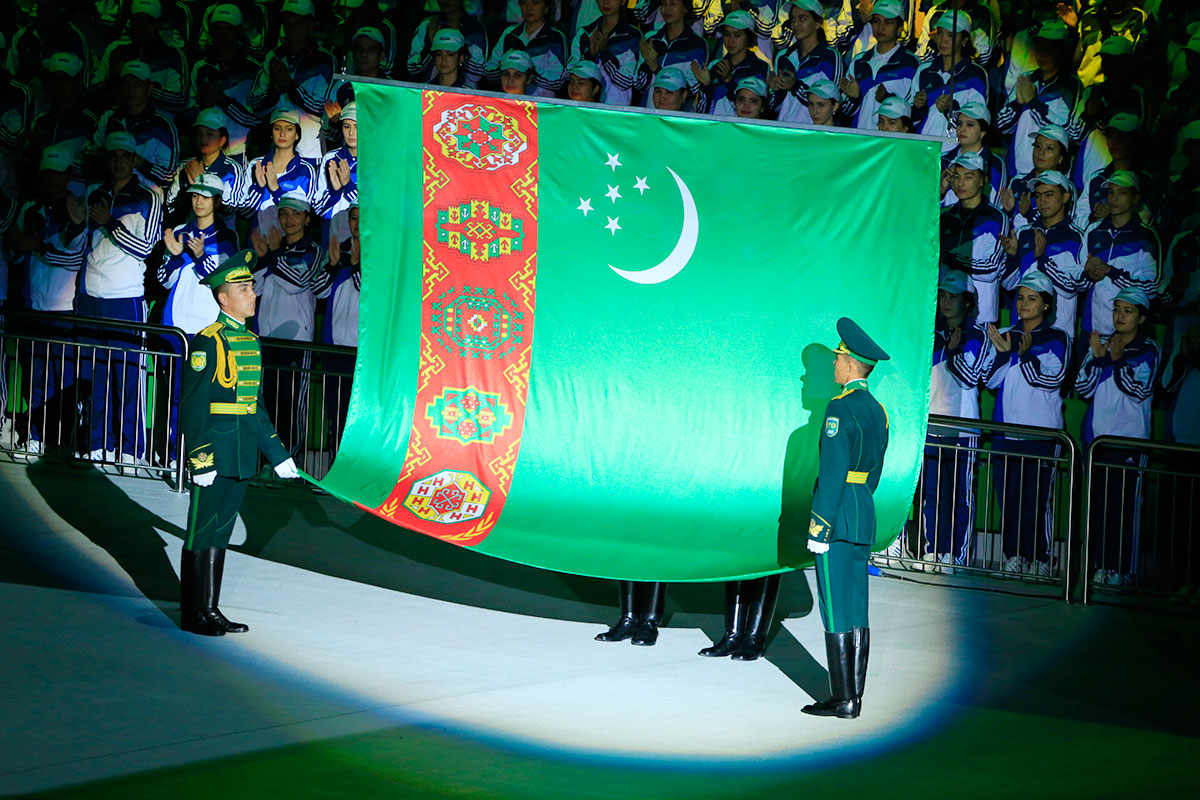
[[857, 344], [235, 269]]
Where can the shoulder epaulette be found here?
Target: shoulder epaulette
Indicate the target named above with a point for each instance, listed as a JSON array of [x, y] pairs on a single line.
[[211, 330]]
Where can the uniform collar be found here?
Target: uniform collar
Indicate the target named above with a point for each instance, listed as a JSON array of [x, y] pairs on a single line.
[[857, 383], [230, 322]]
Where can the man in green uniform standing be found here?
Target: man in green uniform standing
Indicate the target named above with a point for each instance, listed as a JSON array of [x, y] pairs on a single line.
[[224, 427], [841, 529]]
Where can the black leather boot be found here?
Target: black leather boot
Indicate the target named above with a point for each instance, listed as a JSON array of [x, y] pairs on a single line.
[[627, 625], [862, 648], [844, 704], [650, 598], [217, 557], [759, 612], [193, 596], [735, 622]]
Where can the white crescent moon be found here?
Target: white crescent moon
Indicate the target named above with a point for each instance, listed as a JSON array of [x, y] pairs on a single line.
[[679, 257]]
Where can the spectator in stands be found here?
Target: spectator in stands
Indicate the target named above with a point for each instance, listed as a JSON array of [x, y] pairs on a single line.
[[298, 72], [545, 44], [882, 71], [612, 43], [895, 116], [750, 99], [1027, 364], [1126, 147], [1051, 244], [824, 102], [982, 27], [451, 15], [337, 179], [155, 134], [670, 92], [143, 42], [1118, 93], [1046, 96], [516, 72], [280, 171], [949, 81], [65, 121], [808, 58], [972, 234], [341, 323], [1117, 377], [48, 33], [673, 43], [584, 82], [1049, 153], [1120, 252], [125, 225], [224, 76], [369, 48], [372, 46], [971, 126], [959, 352], [210, 137], [50, 235], [449, 50]]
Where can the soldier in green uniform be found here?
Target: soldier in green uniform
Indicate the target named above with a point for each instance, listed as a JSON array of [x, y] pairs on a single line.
[[224, 427], [841, 529]]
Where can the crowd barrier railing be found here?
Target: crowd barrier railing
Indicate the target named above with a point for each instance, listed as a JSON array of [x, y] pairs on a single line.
[[99, 390], [994, 499], [1141, 520]]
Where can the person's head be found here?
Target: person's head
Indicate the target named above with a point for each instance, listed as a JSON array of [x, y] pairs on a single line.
[[1052, 46], [298, 18], [449, 50], [367, 49], [1051, 193], [609, 8], [209, 134], [968, 176], [516, 72], [534, 12], [583, 81], [887, 21], [1124, 192], [54, 173], [847, 368], [737, 32], [951, 34], [805, 18], [750, 99], [972, 124], [145, 21], [1049, 147], [62, 81], [206, 194], [857, 354], [225, 27], [670, 90], [352, 220], [824, 99], [294, 210], [232, 285], [673, 11], [955, 297], [120, 150], [285, 127], [1116, 60], [350, 125], [1035, 298], [895, 115], [1122, 134], [1130, 308], [134, 87]]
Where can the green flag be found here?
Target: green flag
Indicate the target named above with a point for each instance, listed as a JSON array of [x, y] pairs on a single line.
[[600, 341]]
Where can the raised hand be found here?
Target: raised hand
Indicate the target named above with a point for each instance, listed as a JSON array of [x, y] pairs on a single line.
[[724, 70], [1002, 343], [649, 54], [195, 246], [1039, 243], [343, 171], [943, 103], [1026, 343], [1096, 342], [850, 87], [193, 170], [260, 244], [1008, 199], [1009, 243], [1025, 90], [100, 213], [272, 177], [331, 169], [260, 174], [174, 246], [920, 99], [275, 238], [702, 74], [355, 250], [1116, 348]]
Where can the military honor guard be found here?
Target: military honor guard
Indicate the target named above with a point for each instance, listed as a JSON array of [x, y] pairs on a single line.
[[224, 426], [842, 526]]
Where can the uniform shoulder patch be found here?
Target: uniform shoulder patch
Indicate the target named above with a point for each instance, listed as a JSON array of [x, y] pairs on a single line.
[[199, 360], [211, 330], [831, 426]]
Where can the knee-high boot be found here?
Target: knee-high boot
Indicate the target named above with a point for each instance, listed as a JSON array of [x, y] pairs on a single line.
[[862, 648], [627, 624], [650, 599], [735, 622], [760, 610], [844, 703], [195, 592], [217, 559]]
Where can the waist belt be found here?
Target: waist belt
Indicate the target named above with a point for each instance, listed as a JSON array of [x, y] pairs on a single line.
[[856, 477], [238, 409]]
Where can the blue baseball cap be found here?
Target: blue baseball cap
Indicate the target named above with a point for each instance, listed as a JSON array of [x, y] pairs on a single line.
[[671, 79]]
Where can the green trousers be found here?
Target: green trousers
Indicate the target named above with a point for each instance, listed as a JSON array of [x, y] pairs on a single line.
[[213, 511], [842, 586]]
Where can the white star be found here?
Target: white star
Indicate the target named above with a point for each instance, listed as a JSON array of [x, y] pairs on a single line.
[[641, 186], [584, 205], [612, 193], [612, 161], [612, 225]]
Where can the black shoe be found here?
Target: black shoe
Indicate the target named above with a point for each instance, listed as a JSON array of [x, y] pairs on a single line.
[[760, 608], [735, 623], [628, 624], [649, 600], [647, 633], [217, 557], [844, 704], [842, 709], [752, 648], [194, 616]]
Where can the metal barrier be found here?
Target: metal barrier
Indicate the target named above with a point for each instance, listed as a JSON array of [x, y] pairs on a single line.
[[1124, 549], [105, 391], [990, 498]]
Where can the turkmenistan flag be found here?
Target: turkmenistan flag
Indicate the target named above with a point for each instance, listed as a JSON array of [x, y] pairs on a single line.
[[599, 340]]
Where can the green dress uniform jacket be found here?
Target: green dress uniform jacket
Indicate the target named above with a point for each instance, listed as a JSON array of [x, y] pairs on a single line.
[[221, 415], [853, 442]]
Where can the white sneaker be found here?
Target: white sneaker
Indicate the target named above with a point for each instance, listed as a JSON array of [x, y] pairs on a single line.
[[928, 563], [894, 553], [30, 449], [1042, 569], [1014, 565], [947, 559]]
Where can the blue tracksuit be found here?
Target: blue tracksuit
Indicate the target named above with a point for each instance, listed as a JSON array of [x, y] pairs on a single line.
[[970, 84], [547, 48], [970, 240], [1056, 102], [1133, 252], [895, 70], [820, 62], [679, 52], [717, 97], [997, 174], [618, 61], [1060, 262]]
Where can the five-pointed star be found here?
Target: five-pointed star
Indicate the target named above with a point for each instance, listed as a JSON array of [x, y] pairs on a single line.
[[584, 205], [641, 186], [612, 225], [612, 161], [612, 193]]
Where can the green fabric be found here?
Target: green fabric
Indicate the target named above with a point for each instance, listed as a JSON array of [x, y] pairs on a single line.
[[671, 429], [213, 512], [842, 586]]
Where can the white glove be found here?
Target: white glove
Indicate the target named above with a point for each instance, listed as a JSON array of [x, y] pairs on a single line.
[[205, 478], [287, 469], [818, 547]]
